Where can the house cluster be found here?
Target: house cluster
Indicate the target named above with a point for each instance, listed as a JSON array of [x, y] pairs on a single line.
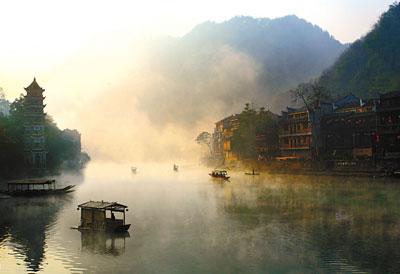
[[349, 132]]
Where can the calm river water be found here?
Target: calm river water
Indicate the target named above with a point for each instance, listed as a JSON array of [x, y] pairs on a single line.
[[186, 222]]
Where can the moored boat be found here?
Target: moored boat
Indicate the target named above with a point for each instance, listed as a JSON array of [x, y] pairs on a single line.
[[99, 216], [35, 187], [133, 169], [175, 167]]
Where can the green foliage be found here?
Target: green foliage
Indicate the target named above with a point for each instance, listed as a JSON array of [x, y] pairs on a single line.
[[11, 139], [252, 123], [371, 64], [11, 147], [60, 148]]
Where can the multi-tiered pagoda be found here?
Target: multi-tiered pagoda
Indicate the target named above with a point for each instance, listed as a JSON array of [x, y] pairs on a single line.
[[34, 136]]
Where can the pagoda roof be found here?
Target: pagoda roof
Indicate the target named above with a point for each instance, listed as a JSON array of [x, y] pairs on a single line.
[[34, 89]]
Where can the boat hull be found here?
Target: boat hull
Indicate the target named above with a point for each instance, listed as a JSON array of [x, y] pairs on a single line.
[[122, 228], [219, 177], [114, 229], [36, 193]]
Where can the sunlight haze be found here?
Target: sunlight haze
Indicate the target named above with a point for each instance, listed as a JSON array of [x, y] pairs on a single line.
[[83, 52]]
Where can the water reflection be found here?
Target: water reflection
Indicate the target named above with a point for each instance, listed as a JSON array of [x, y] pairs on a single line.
[[104, 243], [351, 225], [25, 223], [186, 222]]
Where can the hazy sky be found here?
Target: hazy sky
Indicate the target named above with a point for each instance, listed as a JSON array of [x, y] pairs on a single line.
[[82, 50], [31, 30], [36, 35]]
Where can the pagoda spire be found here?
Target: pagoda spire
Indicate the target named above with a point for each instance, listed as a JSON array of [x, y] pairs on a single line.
[[34, 89]]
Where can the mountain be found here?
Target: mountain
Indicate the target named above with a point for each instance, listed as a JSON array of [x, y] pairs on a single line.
[[217, 67], [372, 63], [289, 49]]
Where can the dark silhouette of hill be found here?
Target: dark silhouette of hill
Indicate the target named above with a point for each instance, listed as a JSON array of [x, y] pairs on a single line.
[[217, 67], [289, 49]]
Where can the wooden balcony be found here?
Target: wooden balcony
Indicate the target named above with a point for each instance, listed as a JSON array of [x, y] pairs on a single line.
[[288, 133], [300, 147]]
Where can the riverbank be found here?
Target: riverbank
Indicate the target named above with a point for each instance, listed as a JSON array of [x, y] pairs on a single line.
[[303, 168]]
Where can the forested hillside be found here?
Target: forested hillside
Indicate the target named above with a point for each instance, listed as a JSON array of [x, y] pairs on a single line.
[[372, 63]]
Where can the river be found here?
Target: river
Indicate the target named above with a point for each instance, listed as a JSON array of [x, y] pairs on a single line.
[[186, 222]]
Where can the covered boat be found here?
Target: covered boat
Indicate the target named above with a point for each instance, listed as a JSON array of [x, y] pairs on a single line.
[[219, 174], [35, 187], [100, 216]]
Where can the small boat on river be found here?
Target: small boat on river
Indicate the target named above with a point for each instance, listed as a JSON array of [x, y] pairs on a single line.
[[175, 167], [223, 174], [252, 173], [99, 216], [133, 169], [35, 187]]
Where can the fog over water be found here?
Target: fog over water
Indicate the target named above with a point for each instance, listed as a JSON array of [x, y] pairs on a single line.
[[139, 99], [187, 222], [152, 111]]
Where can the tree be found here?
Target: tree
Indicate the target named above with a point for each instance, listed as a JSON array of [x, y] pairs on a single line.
[[60, 147], [251, 124], [311, 94], [2, 94], [11, 140], [244, 138], [204, 138]]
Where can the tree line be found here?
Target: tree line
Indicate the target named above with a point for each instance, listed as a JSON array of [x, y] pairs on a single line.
[[60, 148]]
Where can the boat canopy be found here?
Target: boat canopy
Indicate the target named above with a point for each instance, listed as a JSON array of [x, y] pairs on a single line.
[[102, 205], [29, 184], [32, 182], [220, 171]]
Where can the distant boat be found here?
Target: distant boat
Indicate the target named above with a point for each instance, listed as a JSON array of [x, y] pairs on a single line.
[[175, 167], [252, 173], [35, 187], [133, 169], [94, 216], [223, 174]]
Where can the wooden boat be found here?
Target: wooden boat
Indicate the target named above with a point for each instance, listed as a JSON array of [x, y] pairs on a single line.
[[223, 174], [252, 173], [94, 216], [35, 187], [133, 169], [175, 167]]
